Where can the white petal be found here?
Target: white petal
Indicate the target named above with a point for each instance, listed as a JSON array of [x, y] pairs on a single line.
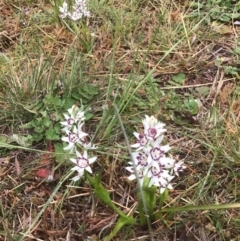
[[165, 148], [73, 160], [136, 145], [167, 162], [130, 169], [70, 146], [162, 189], [85, 154], [78, 154], [132, 177], [65, 139], [92, 159], [76, 168], [88, 169], [76, 178], [89, 146], [136, 134]]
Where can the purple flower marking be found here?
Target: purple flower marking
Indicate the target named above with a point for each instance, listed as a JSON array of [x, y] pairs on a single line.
[[156, 153]]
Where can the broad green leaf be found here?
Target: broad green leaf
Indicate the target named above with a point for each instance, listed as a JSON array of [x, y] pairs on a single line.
[[47, 122], [52, 135], [92, 90], [57, 101], [85, 94], [191, 105], [4, 138], [237, 90], [102, 193], [236, 50], [88, 116], [39, 129], [57, 128], [20, 140], [68, 102], [203, 90], [28, 125], [122, 221], [37, 136], [61, 156], [179, 78], [76, 95]]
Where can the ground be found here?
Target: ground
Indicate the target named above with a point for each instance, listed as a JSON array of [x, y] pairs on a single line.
[[169, 59]]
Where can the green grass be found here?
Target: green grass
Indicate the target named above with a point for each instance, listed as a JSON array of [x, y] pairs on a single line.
[[129, 55]]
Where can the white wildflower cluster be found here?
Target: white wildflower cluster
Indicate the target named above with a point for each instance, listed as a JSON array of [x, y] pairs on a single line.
[[77, 139], [150, 156], [79, 10]]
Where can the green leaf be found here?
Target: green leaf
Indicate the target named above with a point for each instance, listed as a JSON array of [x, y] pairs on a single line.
[[37, 136], [76, 95], [28, 125], [39, 129], [236, 50], [57, 128], [92, 90], [122, 221], [61, 156], [88, 116], [104, 196], [37, 122], [58, 101], [21, 140], [237, 90], [47, 122], [102, 193], [191, 106], [85, 101], [43, 113], [52, 135], [68, 102], [84, 94], [231, 70], [179, 78], [203, 90], [4, 138]]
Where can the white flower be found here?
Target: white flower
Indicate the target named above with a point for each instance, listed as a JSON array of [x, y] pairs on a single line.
[[157, 152], [76, 15], [141, 162], [141, 159], [82, 163], [78, 176], [80, 116], [159, 177], [150, 158], [73, 137], [167, 162], [164, 183], [142, 141], [152, 127], [68, 123], [89, 146], [142, 171], [64, 10], [81, 6], [76, 116], [179, 167], [78, 129], [79, 10]]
